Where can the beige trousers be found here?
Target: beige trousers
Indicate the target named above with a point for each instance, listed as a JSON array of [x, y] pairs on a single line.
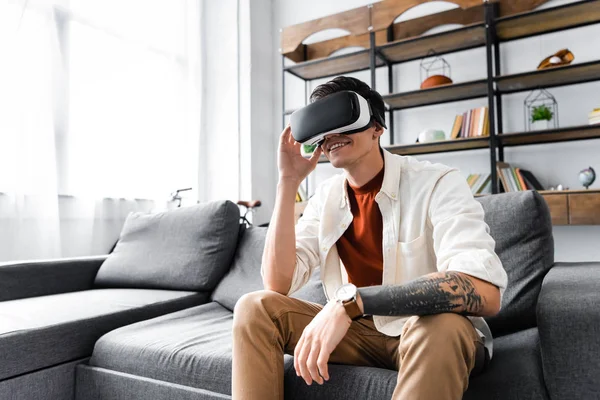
[[434, 355]]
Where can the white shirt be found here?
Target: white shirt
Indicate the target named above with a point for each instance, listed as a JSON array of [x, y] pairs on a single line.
[[431, 223]]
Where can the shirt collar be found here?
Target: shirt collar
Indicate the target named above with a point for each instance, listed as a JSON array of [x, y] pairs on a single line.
[[391, 178]]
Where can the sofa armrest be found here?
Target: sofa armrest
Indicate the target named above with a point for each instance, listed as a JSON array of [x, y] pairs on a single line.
[[568, 315], [23, 279]]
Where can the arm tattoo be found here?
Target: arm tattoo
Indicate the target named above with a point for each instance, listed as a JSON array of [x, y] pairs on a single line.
[[436, 293]]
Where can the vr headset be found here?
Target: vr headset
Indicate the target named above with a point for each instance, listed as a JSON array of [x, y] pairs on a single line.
[[342, 112]]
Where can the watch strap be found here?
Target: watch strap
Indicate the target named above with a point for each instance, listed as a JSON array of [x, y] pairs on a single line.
[[352, 309]]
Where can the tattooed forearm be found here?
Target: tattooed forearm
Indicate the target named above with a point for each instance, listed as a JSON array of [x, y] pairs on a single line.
[[431, 294]]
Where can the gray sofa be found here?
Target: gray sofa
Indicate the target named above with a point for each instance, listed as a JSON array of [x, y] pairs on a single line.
[[153, 319]]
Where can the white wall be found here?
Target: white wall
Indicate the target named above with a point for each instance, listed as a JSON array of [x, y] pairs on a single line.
[[551, 163], [237, 156]]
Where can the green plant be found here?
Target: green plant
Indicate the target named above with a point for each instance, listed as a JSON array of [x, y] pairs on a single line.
[[541, 113], [309, 148]]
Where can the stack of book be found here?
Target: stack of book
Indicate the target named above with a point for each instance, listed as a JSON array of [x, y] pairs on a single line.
[[480, 183], [516, 179], [594, 117], [473, 123]]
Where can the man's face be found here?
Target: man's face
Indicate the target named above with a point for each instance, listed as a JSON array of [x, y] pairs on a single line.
[[343, 151]]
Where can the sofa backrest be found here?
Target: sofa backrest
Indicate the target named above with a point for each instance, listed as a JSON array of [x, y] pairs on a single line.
[[520, 224], [244, 275], [189, 248]]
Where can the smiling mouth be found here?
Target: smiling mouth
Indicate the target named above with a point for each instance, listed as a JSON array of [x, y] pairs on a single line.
[[337, 146]]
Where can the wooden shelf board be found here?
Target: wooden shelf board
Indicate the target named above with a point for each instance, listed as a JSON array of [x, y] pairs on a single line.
[[550, 135], [437, 95], [330, 66], [548, 20], [557, 76], [442, 146], [403, 50], [570, 191]]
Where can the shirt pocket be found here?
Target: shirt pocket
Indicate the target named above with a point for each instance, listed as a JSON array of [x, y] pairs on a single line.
[[412, 259]]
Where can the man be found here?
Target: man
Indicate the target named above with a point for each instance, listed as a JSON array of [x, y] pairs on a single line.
[[406, 260]]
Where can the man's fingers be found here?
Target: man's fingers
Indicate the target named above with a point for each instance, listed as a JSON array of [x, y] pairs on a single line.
[[314, 158], [322, 364], [302, 356], [297, 354], [311, 362], [284, 138]]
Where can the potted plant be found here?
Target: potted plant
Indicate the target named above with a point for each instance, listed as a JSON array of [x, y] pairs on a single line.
[[308, 149], [541, 110], [540, 117]]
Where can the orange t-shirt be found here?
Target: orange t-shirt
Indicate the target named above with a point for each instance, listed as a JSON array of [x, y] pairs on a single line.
[[360, 247]]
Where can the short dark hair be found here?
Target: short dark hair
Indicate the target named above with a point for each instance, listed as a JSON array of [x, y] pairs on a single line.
[[340, 83]]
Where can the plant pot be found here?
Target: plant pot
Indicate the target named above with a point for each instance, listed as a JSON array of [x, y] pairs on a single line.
[[541, 125]]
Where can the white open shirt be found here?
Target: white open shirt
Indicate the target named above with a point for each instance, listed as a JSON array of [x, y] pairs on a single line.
[[431, 222]]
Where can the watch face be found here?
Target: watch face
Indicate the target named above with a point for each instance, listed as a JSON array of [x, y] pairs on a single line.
[[346, 292]]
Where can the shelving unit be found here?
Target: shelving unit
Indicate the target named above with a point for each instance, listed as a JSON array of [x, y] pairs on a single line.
[[485, 25]]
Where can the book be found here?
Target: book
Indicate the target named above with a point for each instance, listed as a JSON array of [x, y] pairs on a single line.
[[487, 184], [521, 180], [509, 179], [486, 123], [481, 183], [515, 179], [531, 180], [483, 121], [595, 112], [457, 126], [500, 166], [475, 117], [487, 188], [465, 131], [476, 182], [478, 121]]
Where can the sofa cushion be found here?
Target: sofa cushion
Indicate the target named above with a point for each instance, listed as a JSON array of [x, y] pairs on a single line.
[[189, 248], [43, 331], [244, 275], [190, 347], [521, 226], [193, 348]]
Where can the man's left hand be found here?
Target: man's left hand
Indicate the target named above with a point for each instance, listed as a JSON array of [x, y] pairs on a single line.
[[318, 341]]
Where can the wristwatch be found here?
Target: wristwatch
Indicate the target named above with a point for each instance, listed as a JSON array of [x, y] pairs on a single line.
[[346, 295]]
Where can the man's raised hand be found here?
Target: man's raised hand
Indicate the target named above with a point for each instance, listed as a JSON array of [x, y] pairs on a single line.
[[292, 165]]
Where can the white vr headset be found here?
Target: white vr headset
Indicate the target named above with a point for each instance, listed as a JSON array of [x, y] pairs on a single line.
[[344, 112]]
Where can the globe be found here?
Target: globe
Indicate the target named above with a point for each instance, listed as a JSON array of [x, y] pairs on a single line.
[[587, 176]]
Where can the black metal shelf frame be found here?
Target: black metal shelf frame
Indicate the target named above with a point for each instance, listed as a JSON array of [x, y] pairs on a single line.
[[378, 59]]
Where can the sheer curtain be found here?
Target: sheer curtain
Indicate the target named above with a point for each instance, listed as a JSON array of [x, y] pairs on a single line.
[[99, 116], [28, 201]]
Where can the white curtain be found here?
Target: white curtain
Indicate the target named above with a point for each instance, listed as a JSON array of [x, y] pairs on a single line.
[[99, 116]]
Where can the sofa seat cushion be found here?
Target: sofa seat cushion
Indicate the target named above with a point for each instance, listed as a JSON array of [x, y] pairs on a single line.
[[193, 348], [190, 347], [43, 331]]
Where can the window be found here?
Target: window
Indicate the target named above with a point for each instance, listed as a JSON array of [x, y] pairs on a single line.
[[105, 91]]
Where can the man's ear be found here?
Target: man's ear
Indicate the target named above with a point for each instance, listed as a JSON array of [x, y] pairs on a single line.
[[378, 130]]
